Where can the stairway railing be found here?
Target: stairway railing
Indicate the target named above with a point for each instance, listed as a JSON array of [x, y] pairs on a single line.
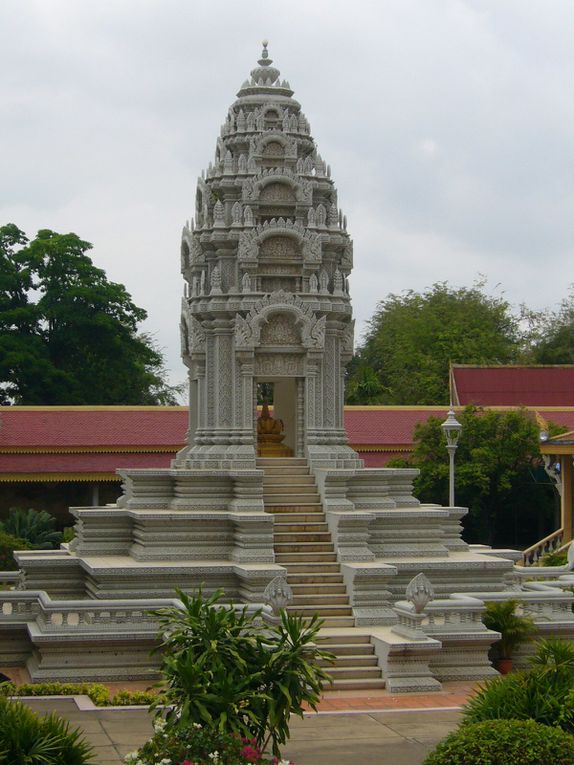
[[551, 543]]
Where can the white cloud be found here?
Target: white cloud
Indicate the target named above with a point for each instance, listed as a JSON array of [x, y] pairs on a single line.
[[448, 126]]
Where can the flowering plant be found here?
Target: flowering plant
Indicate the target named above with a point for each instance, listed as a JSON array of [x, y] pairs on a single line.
[[196, 745]]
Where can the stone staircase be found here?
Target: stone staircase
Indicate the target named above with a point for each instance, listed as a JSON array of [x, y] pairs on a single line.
[[303, 545]]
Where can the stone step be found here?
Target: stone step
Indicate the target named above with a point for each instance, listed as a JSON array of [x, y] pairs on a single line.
[[321, 599], [295, 537], [355, 673], [265, 462], [305, 557], [338, 621], [300, 518], [308, 573], [285, 471], [283, 479], [296, 528], [352, 660], [273, 507], [363, 650], [312, 588], [303, 546], [344, 610], [349, 638], [281, 461], [366, 684], [290, 499], [290, 488]]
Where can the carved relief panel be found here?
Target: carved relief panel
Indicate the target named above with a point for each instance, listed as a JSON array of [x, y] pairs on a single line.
[[279, 365], [280, 329], [279, 248], [277, 193]]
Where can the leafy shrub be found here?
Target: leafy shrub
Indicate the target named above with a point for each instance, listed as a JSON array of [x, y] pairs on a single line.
[[37, 527], [97, 692], [8, 544], [132, 698], [504, 742], [554, 558], [542, 693], [68, 533], [501, 617], [223, 668], [27, 739]]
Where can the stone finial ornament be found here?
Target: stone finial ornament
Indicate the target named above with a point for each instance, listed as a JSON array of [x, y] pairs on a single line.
[[248, 216], [420, 592], [215, 281], [218, 215], [237, 214], [246, 283], [278, 594]]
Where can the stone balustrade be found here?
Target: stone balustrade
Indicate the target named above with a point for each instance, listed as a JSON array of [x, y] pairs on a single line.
[[456, 614], [78, 616], [541, 601]]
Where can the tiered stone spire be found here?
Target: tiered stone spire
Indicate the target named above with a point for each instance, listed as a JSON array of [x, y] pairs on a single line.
[[266, 262]]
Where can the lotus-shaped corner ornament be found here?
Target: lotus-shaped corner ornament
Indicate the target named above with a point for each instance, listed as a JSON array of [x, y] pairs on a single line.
[[420, 592], [278, 594]]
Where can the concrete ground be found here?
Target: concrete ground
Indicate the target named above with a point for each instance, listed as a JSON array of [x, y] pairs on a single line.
[[390, 737]]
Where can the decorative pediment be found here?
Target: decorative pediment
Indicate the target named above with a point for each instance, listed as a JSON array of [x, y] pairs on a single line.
[[259, 145], [301, 188], [191, 332], [308, 241], [293, 312], [348, 344]]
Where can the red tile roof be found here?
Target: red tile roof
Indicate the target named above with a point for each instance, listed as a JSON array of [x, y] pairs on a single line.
[[92, 426], [386, 425], [87, 443], [513, 385], [94, 462]]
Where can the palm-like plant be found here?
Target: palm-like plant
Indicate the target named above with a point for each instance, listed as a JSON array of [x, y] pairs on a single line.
[[226, 669], [37, 527], [554, 656], [514, 629], [27, 739], [291, 676]]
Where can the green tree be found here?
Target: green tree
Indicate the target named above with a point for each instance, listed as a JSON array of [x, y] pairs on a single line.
[[499, 476], [68, 335], [550, 334], [413, 338]]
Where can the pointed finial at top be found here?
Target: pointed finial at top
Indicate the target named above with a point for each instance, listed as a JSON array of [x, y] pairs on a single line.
[[264, 60], [265, 78]]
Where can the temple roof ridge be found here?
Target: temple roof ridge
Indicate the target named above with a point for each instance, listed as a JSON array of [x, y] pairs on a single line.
[[265, 78]]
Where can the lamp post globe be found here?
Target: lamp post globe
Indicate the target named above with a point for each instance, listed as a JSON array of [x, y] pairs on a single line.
[[451, 428]]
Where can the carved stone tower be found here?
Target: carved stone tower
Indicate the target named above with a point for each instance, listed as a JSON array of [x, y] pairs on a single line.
[[266, 265]]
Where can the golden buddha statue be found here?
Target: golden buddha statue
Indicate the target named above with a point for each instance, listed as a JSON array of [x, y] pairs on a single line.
[[270, 434]]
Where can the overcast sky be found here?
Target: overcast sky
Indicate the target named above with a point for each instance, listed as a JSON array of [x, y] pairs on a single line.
[[448, 124]]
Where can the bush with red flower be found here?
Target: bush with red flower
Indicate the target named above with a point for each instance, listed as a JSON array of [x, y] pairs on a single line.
[[231, 683]]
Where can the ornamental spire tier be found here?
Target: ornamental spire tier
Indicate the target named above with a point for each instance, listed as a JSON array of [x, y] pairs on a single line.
[[266, 306]]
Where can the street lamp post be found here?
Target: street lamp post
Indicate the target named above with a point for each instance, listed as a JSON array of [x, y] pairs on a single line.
[[451, 428]]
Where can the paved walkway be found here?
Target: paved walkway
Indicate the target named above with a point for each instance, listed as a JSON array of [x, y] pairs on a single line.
[[393, 737]]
